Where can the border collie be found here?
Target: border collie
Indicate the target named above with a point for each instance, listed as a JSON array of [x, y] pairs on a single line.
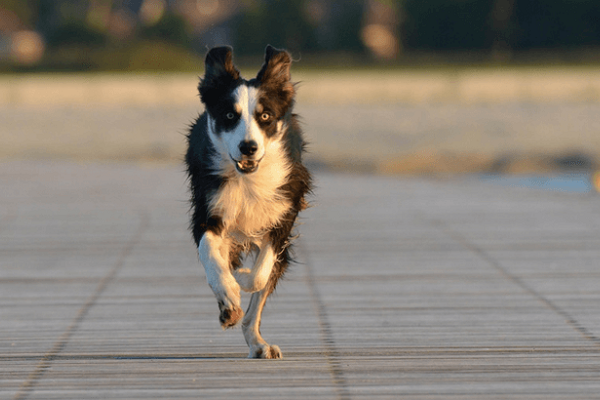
[[247, 184]]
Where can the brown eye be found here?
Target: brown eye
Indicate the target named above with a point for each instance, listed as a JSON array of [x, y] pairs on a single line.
[[230, 115], [265, 117]]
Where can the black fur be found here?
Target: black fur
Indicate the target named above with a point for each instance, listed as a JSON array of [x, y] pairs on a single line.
[[203, 180]]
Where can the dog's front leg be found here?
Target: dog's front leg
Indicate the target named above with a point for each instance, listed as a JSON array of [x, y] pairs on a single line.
[[214, 255], [255, 279]]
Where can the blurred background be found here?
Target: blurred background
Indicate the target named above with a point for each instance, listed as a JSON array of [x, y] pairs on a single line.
[[389, 86], [117, 35]]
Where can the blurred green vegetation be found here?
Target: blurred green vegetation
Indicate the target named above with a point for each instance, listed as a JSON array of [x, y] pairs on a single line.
[[167, 35]]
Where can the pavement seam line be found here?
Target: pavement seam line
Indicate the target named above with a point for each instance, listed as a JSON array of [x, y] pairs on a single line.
[[331, 353], [582, 330], [36, 375]]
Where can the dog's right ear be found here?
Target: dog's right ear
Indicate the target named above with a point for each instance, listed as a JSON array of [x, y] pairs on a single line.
[[219, 70], [219, 63]]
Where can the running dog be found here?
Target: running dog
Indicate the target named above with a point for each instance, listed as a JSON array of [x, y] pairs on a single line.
[[247, 184]]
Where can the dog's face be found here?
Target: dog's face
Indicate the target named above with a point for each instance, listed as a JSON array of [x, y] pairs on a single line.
[[245, 116]]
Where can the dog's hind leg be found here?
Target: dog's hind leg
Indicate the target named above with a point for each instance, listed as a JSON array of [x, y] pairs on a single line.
[[255, 279], [276, 243], [251, 327], [214, 255]]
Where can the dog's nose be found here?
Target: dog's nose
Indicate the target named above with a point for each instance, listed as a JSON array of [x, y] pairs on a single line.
[[248, 147]]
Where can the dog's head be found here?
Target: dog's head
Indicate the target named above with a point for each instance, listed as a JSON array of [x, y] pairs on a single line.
[[246, 116]]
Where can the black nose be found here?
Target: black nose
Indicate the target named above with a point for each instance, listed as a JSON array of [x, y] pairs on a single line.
[[248, 147]]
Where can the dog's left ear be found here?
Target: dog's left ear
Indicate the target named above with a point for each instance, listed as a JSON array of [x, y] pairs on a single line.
[[275, 72], [276, 67]]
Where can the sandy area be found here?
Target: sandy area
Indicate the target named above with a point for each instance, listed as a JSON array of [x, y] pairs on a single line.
[[516, 120]]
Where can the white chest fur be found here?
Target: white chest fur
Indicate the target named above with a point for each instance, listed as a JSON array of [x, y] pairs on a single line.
[[251, 204]]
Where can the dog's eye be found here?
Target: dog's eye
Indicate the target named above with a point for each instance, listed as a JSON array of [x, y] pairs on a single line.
[[230, 115], [265, 117]]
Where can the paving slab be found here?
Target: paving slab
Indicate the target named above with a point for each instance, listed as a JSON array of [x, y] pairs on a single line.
[[417, 288]]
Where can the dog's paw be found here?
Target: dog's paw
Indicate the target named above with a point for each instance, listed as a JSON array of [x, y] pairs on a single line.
[[229, 316], [265, 351]]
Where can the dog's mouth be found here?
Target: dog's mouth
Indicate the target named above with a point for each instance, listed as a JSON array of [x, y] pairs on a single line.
[[246, 166]]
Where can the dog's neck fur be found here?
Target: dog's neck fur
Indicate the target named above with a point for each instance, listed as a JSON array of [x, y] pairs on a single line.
[[250, 204]]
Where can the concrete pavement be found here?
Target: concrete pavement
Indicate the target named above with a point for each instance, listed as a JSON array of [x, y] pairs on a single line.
[[406, 288]]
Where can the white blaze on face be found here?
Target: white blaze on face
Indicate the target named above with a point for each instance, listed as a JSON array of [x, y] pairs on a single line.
[[246, 103]]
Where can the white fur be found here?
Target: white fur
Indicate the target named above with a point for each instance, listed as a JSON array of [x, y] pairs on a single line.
[[214, 256], [247, 128], [255, 279], [251, 328], [253, 203]]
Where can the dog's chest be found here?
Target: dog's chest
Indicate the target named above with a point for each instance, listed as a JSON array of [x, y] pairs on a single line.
[[249, 206]]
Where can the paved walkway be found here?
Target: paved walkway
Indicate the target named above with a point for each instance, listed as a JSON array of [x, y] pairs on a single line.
[[408, 288]]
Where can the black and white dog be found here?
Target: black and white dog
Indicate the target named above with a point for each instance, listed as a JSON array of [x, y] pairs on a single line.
[[248, 184]]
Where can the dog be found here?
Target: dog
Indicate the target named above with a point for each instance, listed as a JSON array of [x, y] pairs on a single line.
[[247, 184]]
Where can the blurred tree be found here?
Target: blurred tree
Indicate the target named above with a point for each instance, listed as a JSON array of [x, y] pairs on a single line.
[[24, 10], [548, 24], [380, 31], [447, 24], [171, 28], [503, 26], [84, 33], [281, 23], [336, 24], [76, 32], [346, 23]]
